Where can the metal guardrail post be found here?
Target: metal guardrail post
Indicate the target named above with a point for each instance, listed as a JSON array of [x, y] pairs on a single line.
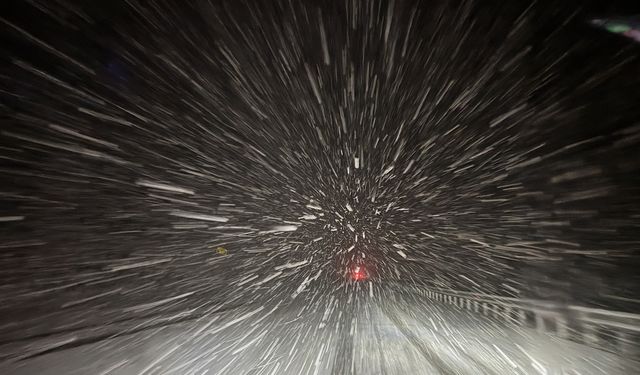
[[608, 330]]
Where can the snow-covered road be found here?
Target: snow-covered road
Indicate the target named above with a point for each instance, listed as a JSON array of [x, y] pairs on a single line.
[[364, 336]]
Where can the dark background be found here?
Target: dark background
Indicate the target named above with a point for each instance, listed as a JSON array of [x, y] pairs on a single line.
[[135, 64]]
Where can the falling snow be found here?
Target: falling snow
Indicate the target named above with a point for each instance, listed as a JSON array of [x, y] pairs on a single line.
[[294, 187]]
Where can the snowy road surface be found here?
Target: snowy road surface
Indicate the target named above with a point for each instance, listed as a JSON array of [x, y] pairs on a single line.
[[361, 336]]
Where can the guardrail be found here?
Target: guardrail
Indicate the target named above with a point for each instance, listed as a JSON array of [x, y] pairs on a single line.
[[608, 330]]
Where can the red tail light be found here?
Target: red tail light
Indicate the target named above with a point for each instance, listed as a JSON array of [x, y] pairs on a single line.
[[358, 273]]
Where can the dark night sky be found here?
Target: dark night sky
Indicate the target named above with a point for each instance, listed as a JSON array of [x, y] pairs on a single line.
[[511, 133]]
